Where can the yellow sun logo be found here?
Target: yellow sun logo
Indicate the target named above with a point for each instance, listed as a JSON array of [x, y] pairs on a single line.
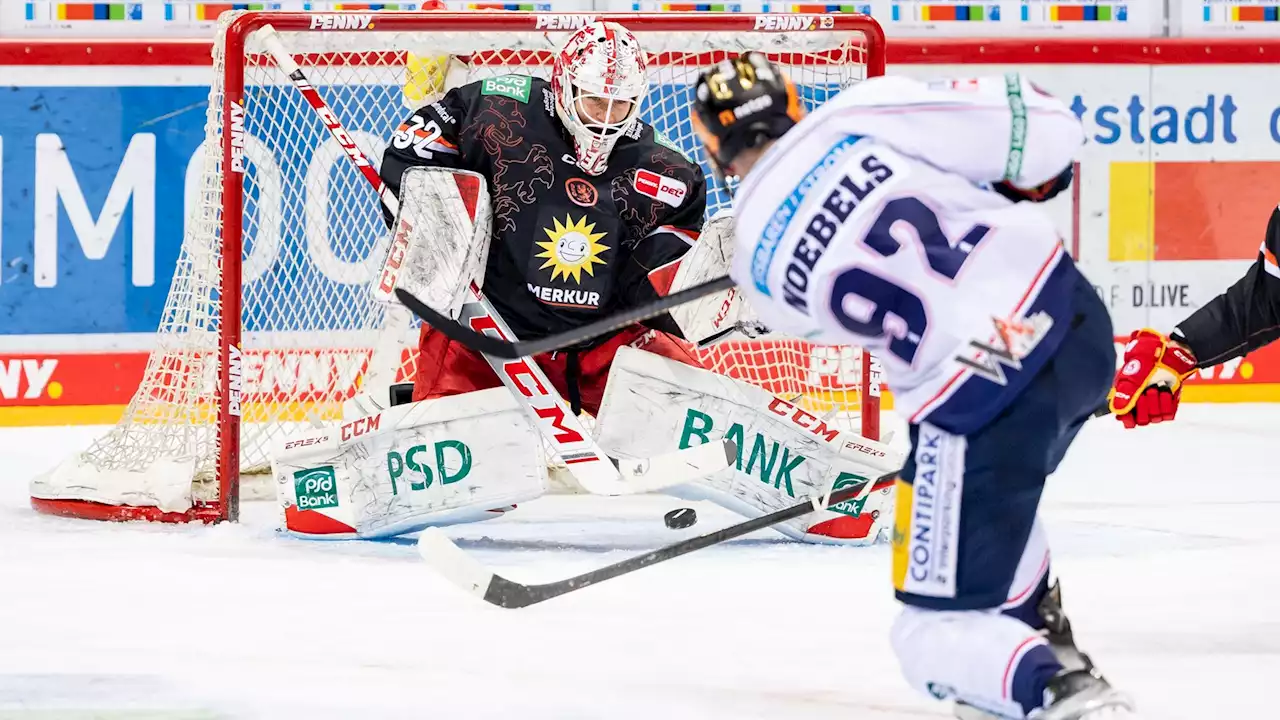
[[571, 249]]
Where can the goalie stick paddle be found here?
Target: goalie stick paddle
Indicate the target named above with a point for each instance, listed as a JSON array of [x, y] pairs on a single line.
[[467, 573], [498, 347]]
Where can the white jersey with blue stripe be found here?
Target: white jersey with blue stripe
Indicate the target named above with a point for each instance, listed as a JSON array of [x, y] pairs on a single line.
[[847, 235]]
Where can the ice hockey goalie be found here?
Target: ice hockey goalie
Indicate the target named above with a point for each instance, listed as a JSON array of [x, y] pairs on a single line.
[[588, 204], [590, 210]]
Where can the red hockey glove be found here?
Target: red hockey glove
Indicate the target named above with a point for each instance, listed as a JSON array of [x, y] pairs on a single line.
[[1149, 384]]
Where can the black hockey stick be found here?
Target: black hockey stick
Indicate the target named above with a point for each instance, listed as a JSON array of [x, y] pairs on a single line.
[[498, 347], [465, 572]]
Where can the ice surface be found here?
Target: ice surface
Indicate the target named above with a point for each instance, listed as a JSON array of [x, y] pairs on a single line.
[[1166, 540]]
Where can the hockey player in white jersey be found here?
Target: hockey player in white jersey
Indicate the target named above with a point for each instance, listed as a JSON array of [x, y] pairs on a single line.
[[899, 216]]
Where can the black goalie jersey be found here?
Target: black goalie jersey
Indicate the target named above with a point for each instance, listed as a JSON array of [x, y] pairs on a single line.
[[567, 247]]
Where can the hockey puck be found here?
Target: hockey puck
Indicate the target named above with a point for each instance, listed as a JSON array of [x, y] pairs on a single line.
[[680, 518]]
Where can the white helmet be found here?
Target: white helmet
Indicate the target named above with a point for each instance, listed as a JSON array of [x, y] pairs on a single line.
[[602, 60]]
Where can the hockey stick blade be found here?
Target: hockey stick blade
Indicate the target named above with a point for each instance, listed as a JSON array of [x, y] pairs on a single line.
[[497, 347], [464, 571]]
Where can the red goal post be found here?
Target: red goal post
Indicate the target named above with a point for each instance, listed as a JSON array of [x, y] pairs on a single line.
[[272, 278]]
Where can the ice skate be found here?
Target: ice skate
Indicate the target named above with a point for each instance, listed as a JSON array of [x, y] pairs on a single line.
[[1084, 695], [1072, 695]]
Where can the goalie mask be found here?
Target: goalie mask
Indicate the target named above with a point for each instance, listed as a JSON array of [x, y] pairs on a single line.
[[740, 104], [599, 81]]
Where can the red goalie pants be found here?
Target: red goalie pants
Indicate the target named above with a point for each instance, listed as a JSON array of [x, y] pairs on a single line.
[[447, 368]]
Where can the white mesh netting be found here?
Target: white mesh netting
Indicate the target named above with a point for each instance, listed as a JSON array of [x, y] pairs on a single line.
[[314, 239]]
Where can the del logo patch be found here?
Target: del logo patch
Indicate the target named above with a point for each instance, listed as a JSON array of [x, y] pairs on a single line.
[[660, 187]]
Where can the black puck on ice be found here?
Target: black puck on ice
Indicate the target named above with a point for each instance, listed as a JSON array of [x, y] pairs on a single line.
[[680, 518]]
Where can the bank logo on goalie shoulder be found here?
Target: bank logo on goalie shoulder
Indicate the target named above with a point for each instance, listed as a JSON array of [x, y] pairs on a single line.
[[667, 143], [516, 87]]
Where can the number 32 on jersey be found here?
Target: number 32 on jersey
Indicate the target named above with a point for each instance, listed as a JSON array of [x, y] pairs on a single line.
[[422, 134]]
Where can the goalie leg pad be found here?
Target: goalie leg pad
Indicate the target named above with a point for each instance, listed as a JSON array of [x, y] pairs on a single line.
[[785, 455], [438, 462]]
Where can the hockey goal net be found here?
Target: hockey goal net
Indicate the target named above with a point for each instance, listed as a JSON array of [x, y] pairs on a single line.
[[269, 324]]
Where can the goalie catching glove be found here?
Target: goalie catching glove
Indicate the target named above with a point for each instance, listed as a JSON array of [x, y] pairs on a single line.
[[1149, 384]]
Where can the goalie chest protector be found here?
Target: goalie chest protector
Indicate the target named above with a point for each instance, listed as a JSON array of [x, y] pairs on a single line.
[[562, 239]]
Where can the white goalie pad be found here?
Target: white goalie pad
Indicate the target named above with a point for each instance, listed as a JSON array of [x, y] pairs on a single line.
[[785, 454], [440, 238], [721, 315], [436, 462]]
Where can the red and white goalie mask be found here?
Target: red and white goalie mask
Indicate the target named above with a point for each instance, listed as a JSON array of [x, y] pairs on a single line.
[[599, 81]]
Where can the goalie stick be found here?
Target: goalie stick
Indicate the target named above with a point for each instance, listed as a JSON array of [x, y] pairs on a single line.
[[511, 350], [585, 460], [464, 571]]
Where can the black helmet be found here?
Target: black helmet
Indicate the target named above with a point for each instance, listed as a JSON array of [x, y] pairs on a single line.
[[743, 103]]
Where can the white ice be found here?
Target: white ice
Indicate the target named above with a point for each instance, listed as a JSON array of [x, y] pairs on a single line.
[[1167, 541]]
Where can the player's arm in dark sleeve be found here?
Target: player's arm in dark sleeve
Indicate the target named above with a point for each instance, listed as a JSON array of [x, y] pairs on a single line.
[[427, 137], [652, 264], [1245, 317]]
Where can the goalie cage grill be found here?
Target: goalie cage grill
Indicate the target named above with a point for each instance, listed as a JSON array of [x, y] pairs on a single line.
[[268, 324]]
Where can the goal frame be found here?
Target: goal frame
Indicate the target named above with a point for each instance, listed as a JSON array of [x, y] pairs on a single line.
[[238, 32]]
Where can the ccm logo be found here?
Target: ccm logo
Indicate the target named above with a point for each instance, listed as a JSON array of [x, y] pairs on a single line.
[[660, 187], [360, 426], [725, 307], [395, 258]]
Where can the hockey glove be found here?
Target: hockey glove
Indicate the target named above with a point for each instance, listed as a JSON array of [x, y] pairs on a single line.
[[1039, 193], [1149, 384]]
